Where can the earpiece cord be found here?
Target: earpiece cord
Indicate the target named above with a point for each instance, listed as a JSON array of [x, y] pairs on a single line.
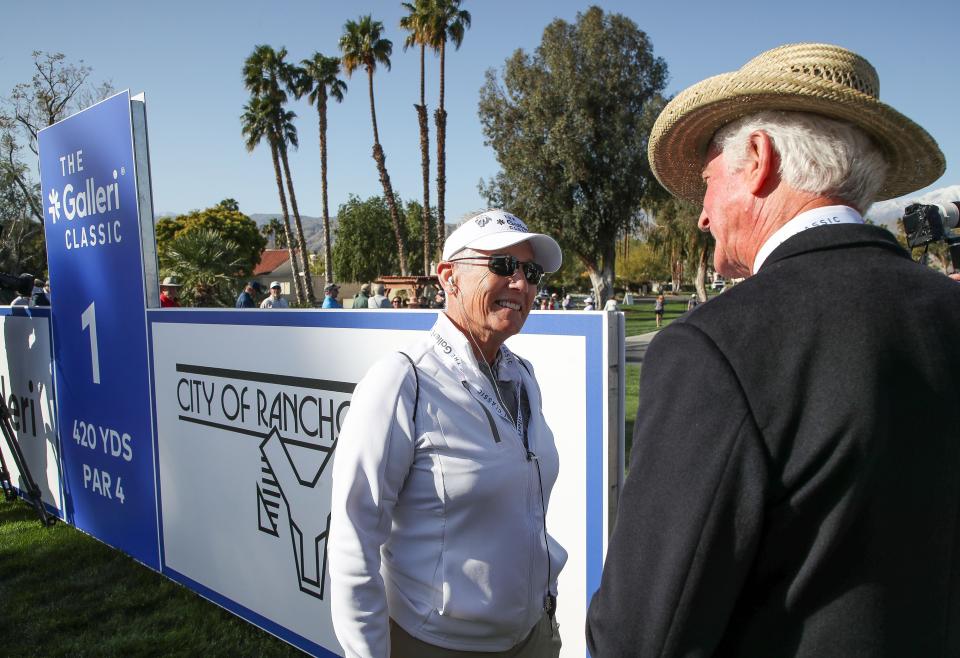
[[476, 345], [549, 601]]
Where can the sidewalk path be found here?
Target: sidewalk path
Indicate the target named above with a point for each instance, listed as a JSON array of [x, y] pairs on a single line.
[[637, 346]]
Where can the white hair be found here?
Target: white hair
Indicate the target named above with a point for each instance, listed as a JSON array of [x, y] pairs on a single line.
[[818, 155]]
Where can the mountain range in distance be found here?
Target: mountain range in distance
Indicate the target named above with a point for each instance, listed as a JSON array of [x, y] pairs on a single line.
[[886, 213], [312, 228]]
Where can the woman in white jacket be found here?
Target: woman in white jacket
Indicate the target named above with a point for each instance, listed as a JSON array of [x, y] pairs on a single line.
[[443, 473]]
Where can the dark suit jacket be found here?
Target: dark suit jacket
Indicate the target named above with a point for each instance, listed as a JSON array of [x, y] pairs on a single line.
[[794, 483]]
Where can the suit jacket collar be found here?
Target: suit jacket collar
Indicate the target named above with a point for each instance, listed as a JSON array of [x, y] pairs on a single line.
[[842, 236]]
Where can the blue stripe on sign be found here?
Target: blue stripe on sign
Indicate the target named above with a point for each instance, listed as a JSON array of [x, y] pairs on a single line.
[[539, 322], [26, 311]]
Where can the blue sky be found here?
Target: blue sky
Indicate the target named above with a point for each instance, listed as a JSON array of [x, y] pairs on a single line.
[[187, 58]]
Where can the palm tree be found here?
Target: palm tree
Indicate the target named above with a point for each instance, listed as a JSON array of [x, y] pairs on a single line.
[[266, 73], [259, 122], [319, 82], [206, 264], [417, 23], [447, 22], [273, 231], [363, 45]]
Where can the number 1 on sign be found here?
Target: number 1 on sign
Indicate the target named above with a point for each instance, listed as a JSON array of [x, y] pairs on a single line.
[[89, 319]]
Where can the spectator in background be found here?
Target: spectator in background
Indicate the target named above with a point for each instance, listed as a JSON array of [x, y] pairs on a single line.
[[46, 290], [396, 302], [692, 302], [247, 297], [567, 303], [39, 296], [379, 300], [169, 291], [275, 299], [362, 298], [330, 292], [658, 306], [588, 304], [611, 304]]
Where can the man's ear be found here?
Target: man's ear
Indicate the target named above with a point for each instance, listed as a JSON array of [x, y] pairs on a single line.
[[445, 274], [761, 165]]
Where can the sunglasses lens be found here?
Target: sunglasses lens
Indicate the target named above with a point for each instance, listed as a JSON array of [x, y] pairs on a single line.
[[503, 265], [533, 273]]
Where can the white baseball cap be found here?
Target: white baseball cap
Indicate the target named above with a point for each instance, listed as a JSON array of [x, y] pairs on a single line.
[[497, 229]]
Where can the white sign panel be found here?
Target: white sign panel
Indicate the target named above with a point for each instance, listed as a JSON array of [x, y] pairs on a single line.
[[248, 417], [26, 385]]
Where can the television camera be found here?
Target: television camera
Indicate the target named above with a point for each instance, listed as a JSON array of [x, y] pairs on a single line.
[[925, 224]]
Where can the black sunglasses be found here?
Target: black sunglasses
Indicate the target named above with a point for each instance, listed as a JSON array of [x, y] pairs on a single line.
[[505, 265]]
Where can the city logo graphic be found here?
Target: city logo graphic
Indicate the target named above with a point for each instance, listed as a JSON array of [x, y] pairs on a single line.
[[296, 422]]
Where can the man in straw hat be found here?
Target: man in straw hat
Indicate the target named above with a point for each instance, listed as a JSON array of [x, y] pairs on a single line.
[[805, 501]]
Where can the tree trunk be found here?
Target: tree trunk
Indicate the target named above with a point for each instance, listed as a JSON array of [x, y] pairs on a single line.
[[676, 270], [425, 169], [327, 254], [701, 281], [424, 166], [32, 201], [601, 278], [440, 117], [381, 160], [301, 240], [286, 219]]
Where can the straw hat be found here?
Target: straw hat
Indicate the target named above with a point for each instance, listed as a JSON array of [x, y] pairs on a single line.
[[802, 77]]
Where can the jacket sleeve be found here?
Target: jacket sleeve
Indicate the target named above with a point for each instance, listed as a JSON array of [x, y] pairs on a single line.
[[691, 512], [374, 453]]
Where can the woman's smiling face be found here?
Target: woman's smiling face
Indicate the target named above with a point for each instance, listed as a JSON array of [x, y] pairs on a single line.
[[492, 307]]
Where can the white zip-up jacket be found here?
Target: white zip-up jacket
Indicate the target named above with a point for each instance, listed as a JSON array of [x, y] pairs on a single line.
[[440, 524]]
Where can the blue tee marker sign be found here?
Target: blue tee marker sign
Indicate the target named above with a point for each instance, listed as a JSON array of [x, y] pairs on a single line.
[[89, 176]]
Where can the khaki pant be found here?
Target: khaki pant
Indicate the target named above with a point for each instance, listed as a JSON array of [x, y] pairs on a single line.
[[542, 642]]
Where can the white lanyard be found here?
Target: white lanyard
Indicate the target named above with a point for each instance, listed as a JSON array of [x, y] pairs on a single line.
[[826, 216], [450, 354]]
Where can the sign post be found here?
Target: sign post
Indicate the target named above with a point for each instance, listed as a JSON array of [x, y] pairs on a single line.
[[90, 170]]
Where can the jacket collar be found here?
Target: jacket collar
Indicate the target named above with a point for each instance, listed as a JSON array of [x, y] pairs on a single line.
[[451, 344], [835, 237]]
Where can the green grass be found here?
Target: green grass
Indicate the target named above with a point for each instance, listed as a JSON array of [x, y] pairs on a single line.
[[640, 319], [632, 402], [63, 593]]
